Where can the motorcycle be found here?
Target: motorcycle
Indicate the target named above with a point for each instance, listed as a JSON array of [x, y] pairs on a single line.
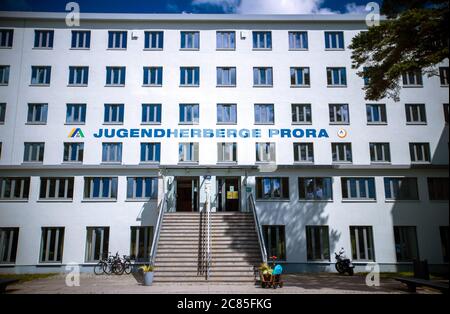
[[343, 264]]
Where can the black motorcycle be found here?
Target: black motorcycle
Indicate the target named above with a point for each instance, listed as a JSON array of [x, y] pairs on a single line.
[[343, 264]]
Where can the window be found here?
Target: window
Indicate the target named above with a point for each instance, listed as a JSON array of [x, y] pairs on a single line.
[[262, 77], [76, 114], [300, 76], [4, 74], [317, 243], [301, 114], [264, 114], [188, 152], [142, 188], [443, 75], [8, 245], [380, 152], [154, 40], [189, 76], [150, 152], [361, 238], [43, 39], [226, 114], [376, 113], [420, 152], [226, 152], [33, 152], [114, 113], [265, 152], [226, 76], [141, 243], [317, 189], [153, 76], [334, 40], [342, 152], [115, 76], [73, 152], [262, 40], [226, 40], [415, 114], [412, 78], [100, 188], [303, 152], [151, 113], [37, 113], [438, 189], [189, 113], [275, 241], [40, 75], [401, 189], [14, 188], [97, 243], [339, 114], [298, 40], [81, 40], [446, 113], [56, 189], [117, 40], [6, 38], [366, 76], [406, 247], [272, 188], [190, 40], [2, 112], [336, 77], [78, 76], [445, 243], [358, 188], [52, 244], [111, 152]]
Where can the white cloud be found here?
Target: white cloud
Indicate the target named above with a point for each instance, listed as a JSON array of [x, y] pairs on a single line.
[[226, 5], [282, 7], [353, 8]]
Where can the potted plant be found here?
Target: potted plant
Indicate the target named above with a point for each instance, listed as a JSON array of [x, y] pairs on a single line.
[[148, 274]]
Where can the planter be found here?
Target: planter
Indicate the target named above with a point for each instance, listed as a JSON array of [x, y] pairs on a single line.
[[148, 278]]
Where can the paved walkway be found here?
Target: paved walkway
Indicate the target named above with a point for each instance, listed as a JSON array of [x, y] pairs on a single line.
[[301, 283]]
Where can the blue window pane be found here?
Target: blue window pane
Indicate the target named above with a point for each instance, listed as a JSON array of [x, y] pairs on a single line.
[[371, 188], [139, 187], [96, 188], [110, 40], [106, 183], [158, 152], [122, 76], [88, 39]]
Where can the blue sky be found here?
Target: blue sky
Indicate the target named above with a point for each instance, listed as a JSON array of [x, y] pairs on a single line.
[[192, 6]]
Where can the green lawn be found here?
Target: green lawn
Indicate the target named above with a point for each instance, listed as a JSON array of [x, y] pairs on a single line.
[[25, 277]]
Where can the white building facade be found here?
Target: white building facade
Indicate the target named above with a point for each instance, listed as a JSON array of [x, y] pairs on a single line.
[[99, 122]]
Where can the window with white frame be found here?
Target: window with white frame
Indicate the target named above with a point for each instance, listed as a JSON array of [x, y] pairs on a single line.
[[380, 152], [264, 114], [141, 243], [6, 38], [225, 40], [75, 113], [420, 152], [341, 152], [142, 188], [153, 76], [73, 152], [226, 113], [117, 39], [43, 38], [111, 152], [226, 76], [150, 152], [406, 246], [334, 40], [115, 76], [275, 241], [315, 189], [262, 40], [298, 40], [301, 114], [317, 243], [272, 188], [304, 152], [8, 245], [412, 78], [443, 75], [154, 40], [114, 113], [262, 76], [37, 113], [4, 74], [358, 188], [151, 113], [14, 188], [189, 76], [401, 189], [337, 76], [97, 244], [226, 152], [265, 152], [78, 75], [376, 113], [189, 113], [33, 152], [52, 245], [56, 188], [40, 75], [190, 40], [2, 112], [300, 76], [415, 114], [438, 189], [81, 40], [339, 114], [188, 152], [361, 238], [98, 188]]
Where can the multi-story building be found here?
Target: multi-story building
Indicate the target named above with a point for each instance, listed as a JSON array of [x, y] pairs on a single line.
[[102, 122]]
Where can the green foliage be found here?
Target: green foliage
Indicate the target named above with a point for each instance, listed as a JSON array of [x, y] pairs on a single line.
[[147, 268]]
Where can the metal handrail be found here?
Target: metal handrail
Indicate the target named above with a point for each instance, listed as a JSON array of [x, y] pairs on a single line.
[[208, 241], [262, 245], [162, 209]]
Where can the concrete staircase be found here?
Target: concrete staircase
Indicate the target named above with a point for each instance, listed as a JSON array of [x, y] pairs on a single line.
[[235, 248]]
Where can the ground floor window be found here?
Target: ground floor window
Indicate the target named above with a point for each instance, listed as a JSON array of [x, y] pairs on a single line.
[[272, 188], [52, 244], [362, 243], [275, 241], [318, 189], [438, 189], [406, 247], [8, 245], [445, 243], [317, 243], [141, 243], [97, 243]]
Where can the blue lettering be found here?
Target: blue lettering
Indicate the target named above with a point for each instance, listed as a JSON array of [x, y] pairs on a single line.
[[273, 132], [99, 133], [196, 133], [244, 133], [323, 133], [208, 133], [111, 133], [310, 133], [220, 133], [121, 133], [232, 133], [285, 133], [159, 133], [297, 133], [184, 133], [144, 133]]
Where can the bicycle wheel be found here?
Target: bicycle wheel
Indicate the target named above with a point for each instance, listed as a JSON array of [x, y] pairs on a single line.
[[118, 268], [99, 268], [127, 267], [107, 268]]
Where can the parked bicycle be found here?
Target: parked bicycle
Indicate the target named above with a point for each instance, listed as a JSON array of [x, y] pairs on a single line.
[[113, 265]]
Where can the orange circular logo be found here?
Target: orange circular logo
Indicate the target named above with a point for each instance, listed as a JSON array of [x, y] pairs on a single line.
[[342, 133]]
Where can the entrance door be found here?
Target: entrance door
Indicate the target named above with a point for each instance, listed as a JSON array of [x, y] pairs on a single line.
[[228, 194], [187, 194]]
